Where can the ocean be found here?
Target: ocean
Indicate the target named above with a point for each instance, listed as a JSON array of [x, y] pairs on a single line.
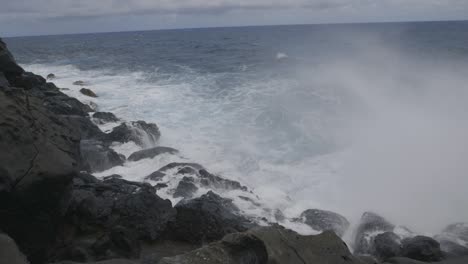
[[346, 117]]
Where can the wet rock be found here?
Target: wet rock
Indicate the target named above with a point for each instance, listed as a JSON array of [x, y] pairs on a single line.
[[173, 165], [29, 80], [453, 249], [370, 226], [186, 188], [50, 76], [366, 259], [113, 176], [39, 154], [187, 170], [151, 153], [140, 132], [213, 181], [87, 129], [239, 248], [97, 157], [155, 176], [387, 245], [206, 219], [104, 117], [88, 92], [8, 64], [9, 252], [422, 248], [286, 246], [61, 104], [80, 83], [322, 220]]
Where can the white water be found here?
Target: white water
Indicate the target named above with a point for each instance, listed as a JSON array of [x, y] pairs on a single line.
[[374, 133]]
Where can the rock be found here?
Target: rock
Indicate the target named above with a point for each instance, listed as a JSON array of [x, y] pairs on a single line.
[[88, 92], [286, 246], [80, 83], [370, 226], [39, 153], [151, 153], [105, 117], [213, 181], [9, 252], [322, 220], [3, 80], [187, 170], [453, 249], [186, 188], [109, 261], [61, 104], [29, 80], [366, 259], [457, 231], [140, 132], [50, 76], [173, 165], [88, 130], [113, 176], [155, 176], [8, 65], [206, 219], [110, 219], [239, 248], [98, 157], [387, 245], [422, 248]]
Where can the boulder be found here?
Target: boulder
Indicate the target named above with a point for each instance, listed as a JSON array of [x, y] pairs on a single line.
[[50, 76], [238, 248], [186, 188], [155, 176], [9, 252], [387, 245], [151, 153], [8, 65], [216, 182], [80, 83], [321, 220], [422, 248], [206, 219], [286, 246], [104, 117], [88, 92], [140, 132], [97, 157], [370, 226], [40, 154]]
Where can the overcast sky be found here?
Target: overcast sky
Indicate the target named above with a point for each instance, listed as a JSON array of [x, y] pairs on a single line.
[[38, 17]]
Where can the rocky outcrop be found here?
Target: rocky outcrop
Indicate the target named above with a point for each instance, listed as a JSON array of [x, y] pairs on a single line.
[[104, 117], [97, 156], [88, 92], [322, 220], [371, 225], [151, 153], [422, 248], [387, 245], [140, 132], [8, 65]]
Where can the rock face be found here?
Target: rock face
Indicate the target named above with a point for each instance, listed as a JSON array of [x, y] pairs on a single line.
[[41, 159], [286, 246], [422, 248], [97, 157], [140, 132], [88, 92], [387, 245], [104, 117], [108, 219], [322, 220], [206, 219], [186, 188], [370, 226], [8, 64], [151, 153]]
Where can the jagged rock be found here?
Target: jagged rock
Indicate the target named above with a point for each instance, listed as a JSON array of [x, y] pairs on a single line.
[[39, 156], [87, 129], [370, 226], [187, 170], [9, 252], [151, 153], [8, 64], [422, 248], [206, 219], [50, 76], [104, 117], [387, 245], [88, 92], [155, 176], [239, 248], [322, 220], [213, 181], [113, 176], [79, 83], [29, 80], [286, 246], [186, 188], [108, 219], [97, 157], [140, 132], [61, 104], [173, 165]]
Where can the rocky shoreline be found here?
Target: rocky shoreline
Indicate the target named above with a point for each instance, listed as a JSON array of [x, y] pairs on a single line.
[[53, 210]]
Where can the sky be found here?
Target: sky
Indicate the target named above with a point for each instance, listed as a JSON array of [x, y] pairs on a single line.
[[43, 17]]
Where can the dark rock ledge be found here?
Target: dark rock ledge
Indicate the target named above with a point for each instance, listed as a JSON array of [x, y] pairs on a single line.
[[52, 210]]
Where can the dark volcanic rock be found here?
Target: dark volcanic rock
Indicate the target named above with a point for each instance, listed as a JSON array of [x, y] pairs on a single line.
[[286, 246], [206, 219], [151, 153], [186, 188], [422, 248], [97, 157], [155, 176], [387, 245], [140, 132], [87, 129], [50, 76], [88, 92], [371, 225], [29, 80], [7, 63], [61, 104], [105, 117], [239, 248], [322, 220], [213, 181], [9, 252], [173, 165], [80, 83], [39, 154]]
